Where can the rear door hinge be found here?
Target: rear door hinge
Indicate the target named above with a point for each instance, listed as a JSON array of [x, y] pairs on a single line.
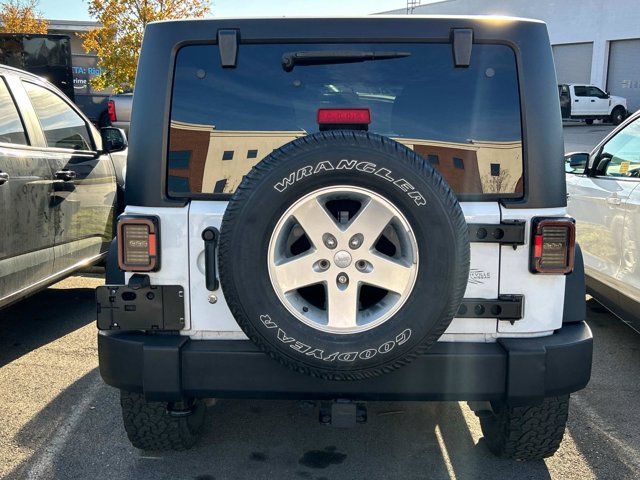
[[505, 307], [228, 40], [462, 40], [507, 232]]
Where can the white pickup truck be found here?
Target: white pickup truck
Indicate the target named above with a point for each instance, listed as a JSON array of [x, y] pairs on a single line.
[[589, 103]]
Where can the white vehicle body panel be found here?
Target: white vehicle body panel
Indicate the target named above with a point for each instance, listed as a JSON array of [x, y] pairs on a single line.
[[173, 248], [597, 203], [543, 294], [629, 274], [494, 270]]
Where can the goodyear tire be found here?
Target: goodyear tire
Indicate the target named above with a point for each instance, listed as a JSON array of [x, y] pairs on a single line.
[[344, 255]]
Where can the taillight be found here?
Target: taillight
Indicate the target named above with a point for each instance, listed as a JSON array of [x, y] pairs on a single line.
[[360, 117], [552, 245], [138, 244], [111, 110]]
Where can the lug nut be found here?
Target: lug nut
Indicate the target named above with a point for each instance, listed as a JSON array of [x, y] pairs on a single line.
[[343, 279], [323, 264], [356, 241], [329, 241], [361, 265]]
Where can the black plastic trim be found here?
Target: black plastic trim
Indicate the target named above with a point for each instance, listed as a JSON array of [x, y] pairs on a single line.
[[575, 309], [517, 370], [543, 147]]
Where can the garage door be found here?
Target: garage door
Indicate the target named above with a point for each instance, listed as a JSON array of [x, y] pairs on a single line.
[[573, 62], [623, 78]]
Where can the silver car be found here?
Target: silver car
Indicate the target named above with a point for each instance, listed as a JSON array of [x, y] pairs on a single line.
[[603, 189]]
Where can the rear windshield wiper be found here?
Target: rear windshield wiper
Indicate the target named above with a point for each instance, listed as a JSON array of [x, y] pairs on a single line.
[[291, 59]]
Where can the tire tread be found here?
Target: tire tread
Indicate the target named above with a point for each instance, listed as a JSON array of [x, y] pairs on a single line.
[[150, 427], [529, 432]]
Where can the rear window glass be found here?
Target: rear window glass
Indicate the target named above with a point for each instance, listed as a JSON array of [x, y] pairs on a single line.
[[464, 121]]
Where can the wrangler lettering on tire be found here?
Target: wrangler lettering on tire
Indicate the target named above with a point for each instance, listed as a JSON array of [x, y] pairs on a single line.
[[344, 255]]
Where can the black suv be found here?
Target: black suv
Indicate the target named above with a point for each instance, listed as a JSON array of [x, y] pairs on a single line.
[[346, 210]]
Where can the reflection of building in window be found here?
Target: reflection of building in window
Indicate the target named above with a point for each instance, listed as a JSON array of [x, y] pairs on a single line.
[[178, 180], [214, 161], [469, 167], [188, 149], [218, 160]]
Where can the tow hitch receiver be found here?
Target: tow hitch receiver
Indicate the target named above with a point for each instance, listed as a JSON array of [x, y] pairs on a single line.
[[342, 413]]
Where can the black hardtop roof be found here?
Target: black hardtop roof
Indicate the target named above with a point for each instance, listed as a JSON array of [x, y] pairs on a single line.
[[494, 19], [378, 26]]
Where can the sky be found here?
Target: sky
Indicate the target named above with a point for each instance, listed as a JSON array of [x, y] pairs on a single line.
[[77, 9]]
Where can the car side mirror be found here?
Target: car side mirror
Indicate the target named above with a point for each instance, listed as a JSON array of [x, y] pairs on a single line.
[[576, 162], [113, 139]]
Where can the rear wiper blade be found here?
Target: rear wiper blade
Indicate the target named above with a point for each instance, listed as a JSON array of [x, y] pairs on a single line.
[[291, 59]]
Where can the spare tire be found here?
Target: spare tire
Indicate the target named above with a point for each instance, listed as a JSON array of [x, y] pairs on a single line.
[[344, 255]]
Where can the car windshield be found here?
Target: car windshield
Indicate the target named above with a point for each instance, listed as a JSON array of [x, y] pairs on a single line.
[[463, 121]]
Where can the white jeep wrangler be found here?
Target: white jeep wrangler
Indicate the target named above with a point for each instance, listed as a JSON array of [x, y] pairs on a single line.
[[346, 210]]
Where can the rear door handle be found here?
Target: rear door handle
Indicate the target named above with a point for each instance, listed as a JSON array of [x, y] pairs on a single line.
[[593, 100], [4, 178], [66, 175], [210, 235], [614, 200]]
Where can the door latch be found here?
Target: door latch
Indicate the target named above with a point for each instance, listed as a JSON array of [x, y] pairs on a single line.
[[210, 235]]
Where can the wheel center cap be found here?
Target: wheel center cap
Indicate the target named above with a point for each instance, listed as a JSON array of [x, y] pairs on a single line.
[[342, 259]]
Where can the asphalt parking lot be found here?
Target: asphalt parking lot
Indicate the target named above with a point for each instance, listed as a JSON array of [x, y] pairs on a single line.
[[579, 137], [59, 421]]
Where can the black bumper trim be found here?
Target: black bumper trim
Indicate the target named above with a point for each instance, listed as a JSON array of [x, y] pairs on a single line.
[[518, 370]]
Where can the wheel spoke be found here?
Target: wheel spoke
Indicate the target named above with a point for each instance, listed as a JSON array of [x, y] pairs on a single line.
[[342, 306], [388, 274], [370, 221], [298, 272], [315, 220]]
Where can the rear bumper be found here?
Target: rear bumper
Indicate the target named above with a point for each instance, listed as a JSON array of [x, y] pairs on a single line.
[[170, 367]]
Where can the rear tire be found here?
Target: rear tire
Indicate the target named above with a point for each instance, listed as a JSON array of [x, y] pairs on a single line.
[[530, 432], [617, 115], [589, 121], [149, 425]]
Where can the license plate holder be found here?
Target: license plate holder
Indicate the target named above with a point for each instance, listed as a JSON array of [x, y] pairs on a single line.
[[152, 307]]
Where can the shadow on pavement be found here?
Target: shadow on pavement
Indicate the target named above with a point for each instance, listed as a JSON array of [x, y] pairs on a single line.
[[42, 318], [80, 435], [603, 420]]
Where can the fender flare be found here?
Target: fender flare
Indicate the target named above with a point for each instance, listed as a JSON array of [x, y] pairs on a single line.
[[575, 306]]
